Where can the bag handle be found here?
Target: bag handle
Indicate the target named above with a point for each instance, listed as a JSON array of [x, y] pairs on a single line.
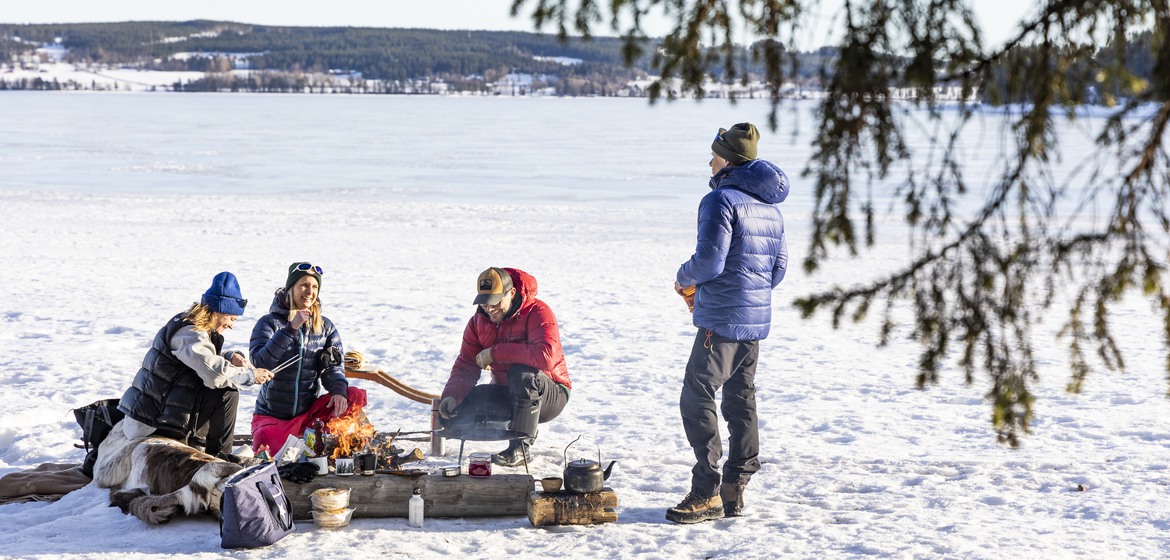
[[274, 509], [87, 428], [91, 415], [98, 411]]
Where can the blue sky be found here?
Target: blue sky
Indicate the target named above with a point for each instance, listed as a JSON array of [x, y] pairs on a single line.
[[999, 17]]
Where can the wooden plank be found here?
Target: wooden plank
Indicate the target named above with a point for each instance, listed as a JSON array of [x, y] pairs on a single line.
[[386, 380], [386, 495], [567, 508]]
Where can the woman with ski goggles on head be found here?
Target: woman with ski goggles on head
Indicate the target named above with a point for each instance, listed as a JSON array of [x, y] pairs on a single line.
[[303, 349]]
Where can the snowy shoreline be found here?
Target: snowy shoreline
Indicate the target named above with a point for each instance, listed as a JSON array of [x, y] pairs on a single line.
[[79, 79], [856, 461]]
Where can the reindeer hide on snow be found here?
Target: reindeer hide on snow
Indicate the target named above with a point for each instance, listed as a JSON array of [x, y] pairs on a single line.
[[156, 478]]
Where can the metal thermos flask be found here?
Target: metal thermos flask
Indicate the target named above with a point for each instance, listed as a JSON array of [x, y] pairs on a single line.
[[414, 512]]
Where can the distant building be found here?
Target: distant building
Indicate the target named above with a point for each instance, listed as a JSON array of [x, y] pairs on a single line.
[[514, 84], [941, 92], [54, 52], [562, 60], [352, 75]]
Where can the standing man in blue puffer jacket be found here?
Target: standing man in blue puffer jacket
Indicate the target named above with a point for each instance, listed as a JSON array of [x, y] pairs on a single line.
[[740, 258]]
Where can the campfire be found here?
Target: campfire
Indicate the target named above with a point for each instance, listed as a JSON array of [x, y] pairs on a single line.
[[352, 434]]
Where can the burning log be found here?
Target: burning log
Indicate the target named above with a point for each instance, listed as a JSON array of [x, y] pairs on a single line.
[[390, 456], [351, 434], [348, 436]]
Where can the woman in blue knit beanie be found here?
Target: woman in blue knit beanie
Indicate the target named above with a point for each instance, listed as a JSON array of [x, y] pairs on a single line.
[[188, 388]]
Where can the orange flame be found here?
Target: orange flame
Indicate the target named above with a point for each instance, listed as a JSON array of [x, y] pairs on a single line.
[[353, 433]]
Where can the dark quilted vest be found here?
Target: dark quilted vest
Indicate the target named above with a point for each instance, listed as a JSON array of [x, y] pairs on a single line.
[[165, 392]]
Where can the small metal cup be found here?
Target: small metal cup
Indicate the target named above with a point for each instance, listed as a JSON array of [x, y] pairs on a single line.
[[367, 463], [551, 483]]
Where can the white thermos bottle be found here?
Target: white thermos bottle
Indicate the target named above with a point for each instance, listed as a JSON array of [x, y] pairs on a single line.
[[414, 511]]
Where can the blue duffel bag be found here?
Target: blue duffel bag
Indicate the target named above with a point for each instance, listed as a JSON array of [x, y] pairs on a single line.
[[254, 510]]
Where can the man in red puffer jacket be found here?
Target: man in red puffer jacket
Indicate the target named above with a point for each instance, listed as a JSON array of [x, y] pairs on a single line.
[[515, 337]]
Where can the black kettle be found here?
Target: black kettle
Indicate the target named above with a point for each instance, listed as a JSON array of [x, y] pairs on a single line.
[[583, 475]]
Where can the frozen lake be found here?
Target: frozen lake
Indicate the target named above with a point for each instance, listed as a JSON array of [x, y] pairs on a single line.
[[458, 149], [439, 148]]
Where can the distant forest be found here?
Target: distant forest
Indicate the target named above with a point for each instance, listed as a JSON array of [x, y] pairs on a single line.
[[375, 53], [380, 54], [465, 60]]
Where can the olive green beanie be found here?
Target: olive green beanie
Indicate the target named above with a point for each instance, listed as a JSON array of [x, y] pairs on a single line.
[[737, 144]]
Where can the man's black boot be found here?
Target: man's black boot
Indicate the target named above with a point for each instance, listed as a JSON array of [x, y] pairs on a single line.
[[525, 418], [515, 455]]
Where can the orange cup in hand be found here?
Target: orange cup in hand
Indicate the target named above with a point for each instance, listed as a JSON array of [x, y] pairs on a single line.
[[688, 295]]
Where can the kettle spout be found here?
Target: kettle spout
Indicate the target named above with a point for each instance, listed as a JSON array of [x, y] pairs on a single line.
[[605, 475]]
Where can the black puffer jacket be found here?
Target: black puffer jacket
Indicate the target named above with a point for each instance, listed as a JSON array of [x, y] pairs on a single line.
[[165, 392], [292, 391]]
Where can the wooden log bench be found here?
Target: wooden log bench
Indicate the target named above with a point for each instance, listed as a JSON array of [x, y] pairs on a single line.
[[386, 495]]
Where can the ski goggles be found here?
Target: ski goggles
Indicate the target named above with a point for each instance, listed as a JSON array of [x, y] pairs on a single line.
[[309, 267]]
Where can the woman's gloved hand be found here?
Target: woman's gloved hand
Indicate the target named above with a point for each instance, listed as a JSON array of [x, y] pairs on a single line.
[[299, 473]]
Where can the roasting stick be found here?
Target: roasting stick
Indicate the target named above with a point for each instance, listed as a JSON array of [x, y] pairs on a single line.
[[290, 362]]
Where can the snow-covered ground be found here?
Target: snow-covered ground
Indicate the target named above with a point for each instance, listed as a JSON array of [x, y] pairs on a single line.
[[856, 462]]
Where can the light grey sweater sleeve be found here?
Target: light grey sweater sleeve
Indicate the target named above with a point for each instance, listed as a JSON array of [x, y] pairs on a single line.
[[194, 348]]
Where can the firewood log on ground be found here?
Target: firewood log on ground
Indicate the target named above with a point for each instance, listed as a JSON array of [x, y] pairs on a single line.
[[570, 508]]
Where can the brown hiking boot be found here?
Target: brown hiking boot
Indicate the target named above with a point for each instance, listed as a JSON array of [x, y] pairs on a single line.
[[732, 496], [695, 508]]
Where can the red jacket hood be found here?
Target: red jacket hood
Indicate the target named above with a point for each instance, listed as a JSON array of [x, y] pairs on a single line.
[[525, 285]]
